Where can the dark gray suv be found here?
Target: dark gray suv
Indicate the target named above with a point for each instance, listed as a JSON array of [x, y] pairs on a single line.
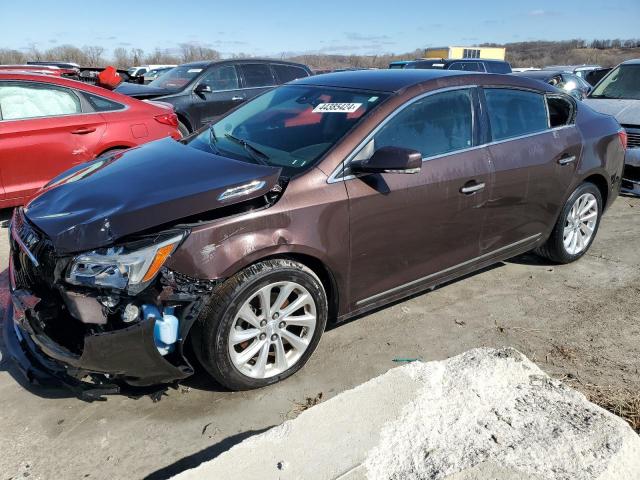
[[203, 91]]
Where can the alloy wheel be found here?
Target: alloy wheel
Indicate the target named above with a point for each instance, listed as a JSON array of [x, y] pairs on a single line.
[[580, 224], [272, 330]]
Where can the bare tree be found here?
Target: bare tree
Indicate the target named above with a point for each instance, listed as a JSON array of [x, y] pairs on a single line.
[[94, 55]]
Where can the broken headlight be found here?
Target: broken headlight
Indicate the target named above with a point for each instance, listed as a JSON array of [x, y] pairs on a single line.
[[128, 267]]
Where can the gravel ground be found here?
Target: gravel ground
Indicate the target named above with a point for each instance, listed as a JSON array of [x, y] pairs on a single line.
[[578, 322]]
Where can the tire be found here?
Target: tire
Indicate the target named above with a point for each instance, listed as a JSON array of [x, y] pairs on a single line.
[[235, 309], [555, 248], [110, 153], [182, 128]]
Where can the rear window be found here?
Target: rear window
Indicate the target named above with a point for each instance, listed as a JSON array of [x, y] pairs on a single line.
[[257, 75], [32, 100], [287, 73], [513, 113], [100, 104], [467, 66], [498, 67]]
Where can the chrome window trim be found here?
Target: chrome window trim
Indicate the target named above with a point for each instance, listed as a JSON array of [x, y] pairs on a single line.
[[449, 269], [62, 87], [78, 93], [334, 177]]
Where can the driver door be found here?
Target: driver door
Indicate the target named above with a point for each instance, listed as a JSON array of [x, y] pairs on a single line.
[[408, 230], [223, 93]]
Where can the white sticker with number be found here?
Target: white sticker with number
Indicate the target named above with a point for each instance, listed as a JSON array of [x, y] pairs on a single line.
[[337, 107]]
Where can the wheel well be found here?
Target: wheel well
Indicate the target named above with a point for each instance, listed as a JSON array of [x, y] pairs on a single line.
[[600, 182], [117, 147], [324, 274], [184, 121]]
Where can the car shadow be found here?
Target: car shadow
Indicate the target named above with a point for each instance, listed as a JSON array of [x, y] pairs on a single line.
[[202, 456]]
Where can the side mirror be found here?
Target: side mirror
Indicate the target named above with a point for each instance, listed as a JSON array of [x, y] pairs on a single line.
[[202, 88], [390, 160]]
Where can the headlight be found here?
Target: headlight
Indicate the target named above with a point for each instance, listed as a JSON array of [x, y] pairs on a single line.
[[121, 268]]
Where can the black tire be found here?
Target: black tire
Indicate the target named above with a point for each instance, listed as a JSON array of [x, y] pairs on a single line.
[[210, 334], [554, 249], [182, 128]]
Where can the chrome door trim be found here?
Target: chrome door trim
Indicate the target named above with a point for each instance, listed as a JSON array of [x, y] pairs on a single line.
[[473, 188], [447, 270], [566, 160]]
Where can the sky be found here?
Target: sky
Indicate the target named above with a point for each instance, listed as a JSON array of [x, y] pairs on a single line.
[[326, 26]]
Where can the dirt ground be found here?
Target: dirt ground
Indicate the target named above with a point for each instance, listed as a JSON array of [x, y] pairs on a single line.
[[579, 322]]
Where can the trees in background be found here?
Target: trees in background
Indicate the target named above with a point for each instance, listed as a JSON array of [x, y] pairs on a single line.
[[605, 52]]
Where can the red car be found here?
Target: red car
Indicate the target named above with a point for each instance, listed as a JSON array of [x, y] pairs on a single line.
[[49, 124]]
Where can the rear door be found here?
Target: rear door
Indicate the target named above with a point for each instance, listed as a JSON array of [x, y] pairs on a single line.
[[534, 158], [287, 73], [43, 132], [256, 78], [410, 229], [225, 94]]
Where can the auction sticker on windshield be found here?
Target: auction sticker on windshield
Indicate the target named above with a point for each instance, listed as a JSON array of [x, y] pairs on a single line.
[[337, 107]]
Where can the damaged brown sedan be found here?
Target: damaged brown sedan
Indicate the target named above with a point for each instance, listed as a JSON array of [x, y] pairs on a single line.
[[317, 201]]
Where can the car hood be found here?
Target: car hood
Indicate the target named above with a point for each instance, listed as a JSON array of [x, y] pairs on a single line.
[[137, 90], [627, 112], [95, 204]]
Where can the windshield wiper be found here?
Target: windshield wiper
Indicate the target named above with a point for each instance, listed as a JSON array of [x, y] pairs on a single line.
[[258, 155], [213, 140]]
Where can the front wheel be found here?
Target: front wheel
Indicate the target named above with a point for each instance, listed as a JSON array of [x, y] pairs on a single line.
[[261, 325], [576, 226]]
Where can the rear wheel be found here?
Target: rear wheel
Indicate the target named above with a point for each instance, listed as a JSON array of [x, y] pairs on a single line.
[[261, 325], [110, 153], [576, 227], [182, 128]]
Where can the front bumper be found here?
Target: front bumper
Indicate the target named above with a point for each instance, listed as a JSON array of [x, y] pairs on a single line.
[[128, 354], [69, 336], [631, 174]]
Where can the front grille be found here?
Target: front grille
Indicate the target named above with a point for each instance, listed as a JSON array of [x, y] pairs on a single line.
[[631, 173], [26, 273], [633, 136]]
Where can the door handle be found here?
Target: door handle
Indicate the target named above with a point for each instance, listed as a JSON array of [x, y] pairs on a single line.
[[566, 159], [236, 99], [83, 131], [472, 187]]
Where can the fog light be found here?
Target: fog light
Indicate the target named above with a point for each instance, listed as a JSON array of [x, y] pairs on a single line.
[[131, 313], [109, 302]]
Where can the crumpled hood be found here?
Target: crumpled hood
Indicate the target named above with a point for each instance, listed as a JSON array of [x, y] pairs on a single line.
[[137, 90], [627, 112], [95, 204]]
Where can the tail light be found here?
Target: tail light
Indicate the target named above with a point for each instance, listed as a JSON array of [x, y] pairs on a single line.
[[167, 119], [622, 134]]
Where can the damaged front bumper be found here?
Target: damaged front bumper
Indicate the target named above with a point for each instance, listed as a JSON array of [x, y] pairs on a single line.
[[127, 354], [79, 337]]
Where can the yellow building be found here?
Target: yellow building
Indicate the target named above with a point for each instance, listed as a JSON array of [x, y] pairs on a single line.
[[456, 53]]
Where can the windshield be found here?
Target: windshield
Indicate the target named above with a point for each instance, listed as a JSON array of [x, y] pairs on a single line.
[[176, 78], [623, 82], [290, 126]]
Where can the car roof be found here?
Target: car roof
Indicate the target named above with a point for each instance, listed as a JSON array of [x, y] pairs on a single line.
[[8, 75], [207, 63], [540, 74], [385, 80], [633, 61]]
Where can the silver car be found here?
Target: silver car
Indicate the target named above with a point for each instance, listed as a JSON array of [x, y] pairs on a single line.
[[618, 94]]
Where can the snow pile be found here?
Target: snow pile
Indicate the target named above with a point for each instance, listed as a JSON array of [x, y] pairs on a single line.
[[484, 415], [497, 407]]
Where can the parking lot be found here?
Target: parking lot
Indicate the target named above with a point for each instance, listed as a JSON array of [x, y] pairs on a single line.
[[578, 322]]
